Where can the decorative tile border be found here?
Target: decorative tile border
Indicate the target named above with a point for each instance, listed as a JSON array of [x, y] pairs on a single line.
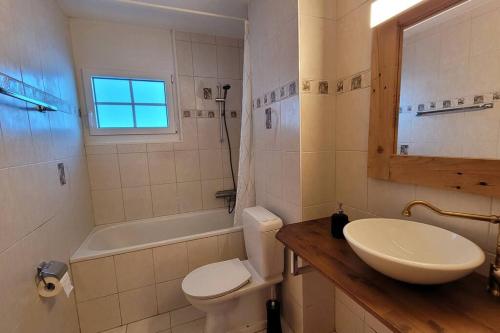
[[283, 92], [321, 87], [404, 149], [353, 82], [21, 88], [208, 114], [278, 94], [449, 103], [313, 86]]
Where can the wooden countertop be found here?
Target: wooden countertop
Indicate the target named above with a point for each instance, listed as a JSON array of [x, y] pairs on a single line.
[[459, 307]]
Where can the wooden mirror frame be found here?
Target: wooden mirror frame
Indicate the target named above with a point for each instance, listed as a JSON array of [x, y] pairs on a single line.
[[479, 176]]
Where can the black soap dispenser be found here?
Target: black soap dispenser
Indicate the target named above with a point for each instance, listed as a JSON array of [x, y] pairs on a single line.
[[339, 221]]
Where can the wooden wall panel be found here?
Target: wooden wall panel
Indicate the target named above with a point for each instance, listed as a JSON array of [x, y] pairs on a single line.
[[384, 98], [466, 175]]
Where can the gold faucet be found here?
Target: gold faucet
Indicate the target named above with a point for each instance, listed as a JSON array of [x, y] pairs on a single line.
[[494, 278]]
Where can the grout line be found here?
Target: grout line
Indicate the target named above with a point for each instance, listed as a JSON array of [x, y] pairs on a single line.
[[22, 238], [117, 291], [150, 186], [352, 10]]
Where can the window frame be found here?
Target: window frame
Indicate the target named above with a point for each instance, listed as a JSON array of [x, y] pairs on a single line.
[[169, 81]]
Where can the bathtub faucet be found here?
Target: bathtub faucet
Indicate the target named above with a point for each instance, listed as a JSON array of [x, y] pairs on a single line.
[[229, 196], [226, 194]]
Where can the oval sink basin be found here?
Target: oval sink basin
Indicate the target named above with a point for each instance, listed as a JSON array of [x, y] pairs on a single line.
[[413, 252]]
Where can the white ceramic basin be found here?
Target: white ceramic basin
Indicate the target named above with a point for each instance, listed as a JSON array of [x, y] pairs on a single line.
[[413, 252]]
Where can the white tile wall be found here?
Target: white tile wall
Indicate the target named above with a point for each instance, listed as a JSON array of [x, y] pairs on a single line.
[[204, 60], [164, 199], [351, 178], [317, 63], [189, 197], [352, 318], [352, 118], [134, 270], [274, 59], [134, 181], [353, 38], [137, 202], [41, 220], [294, 165], [138, 304], [317, 48]]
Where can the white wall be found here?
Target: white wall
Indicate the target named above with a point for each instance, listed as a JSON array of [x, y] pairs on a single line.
[[40, 219], [102, 44]]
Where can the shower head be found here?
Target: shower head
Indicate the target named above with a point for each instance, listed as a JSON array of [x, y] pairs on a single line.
[[226, 88]]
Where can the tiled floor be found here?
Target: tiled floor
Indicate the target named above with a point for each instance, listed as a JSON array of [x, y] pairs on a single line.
[[186, 319], [196, 326], [192, 327]]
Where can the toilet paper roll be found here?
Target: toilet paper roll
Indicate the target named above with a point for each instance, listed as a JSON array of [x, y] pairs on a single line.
[[50, 288]]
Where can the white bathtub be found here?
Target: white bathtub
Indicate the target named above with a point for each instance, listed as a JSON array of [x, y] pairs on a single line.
[[154, 232]]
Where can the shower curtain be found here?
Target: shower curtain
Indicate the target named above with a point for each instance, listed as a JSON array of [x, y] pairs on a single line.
[[246, 182]]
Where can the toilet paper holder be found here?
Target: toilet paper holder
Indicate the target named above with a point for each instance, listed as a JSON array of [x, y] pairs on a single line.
[[54, 269]]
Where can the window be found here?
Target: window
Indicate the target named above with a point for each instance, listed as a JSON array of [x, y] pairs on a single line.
[[124, 105]]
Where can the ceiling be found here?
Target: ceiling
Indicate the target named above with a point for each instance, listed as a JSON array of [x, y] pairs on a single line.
[[217, 17]]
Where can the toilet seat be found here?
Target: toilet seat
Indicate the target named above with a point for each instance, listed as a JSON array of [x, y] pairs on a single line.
[[215, 280]]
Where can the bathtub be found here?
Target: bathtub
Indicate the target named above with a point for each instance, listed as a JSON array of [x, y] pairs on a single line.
[[137, 235], [145, 261]]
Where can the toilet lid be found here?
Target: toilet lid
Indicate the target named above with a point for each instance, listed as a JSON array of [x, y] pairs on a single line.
[[214, 280]]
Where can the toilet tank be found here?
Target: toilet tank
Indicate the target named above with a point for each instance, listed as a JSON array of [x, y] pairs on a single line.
[[265, 253]]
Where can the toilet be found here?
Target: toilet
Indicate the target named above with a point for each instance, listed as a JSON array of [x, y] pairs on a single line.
[[233, 293]]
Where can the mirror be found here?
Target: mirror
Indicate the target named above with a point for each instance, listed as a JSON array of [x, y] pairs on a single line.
[[453, 75], [449, 102]]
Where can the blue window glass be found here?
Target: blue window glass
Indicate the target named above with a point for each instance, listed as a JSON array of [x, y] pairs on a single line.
[[115, 116], [149, 92], [111, 90], [151, 116], [129, 103]]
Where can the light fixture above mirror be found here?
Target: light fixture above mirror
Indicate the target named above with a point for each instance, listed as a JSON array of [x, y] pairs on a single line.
[[383, 10]]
